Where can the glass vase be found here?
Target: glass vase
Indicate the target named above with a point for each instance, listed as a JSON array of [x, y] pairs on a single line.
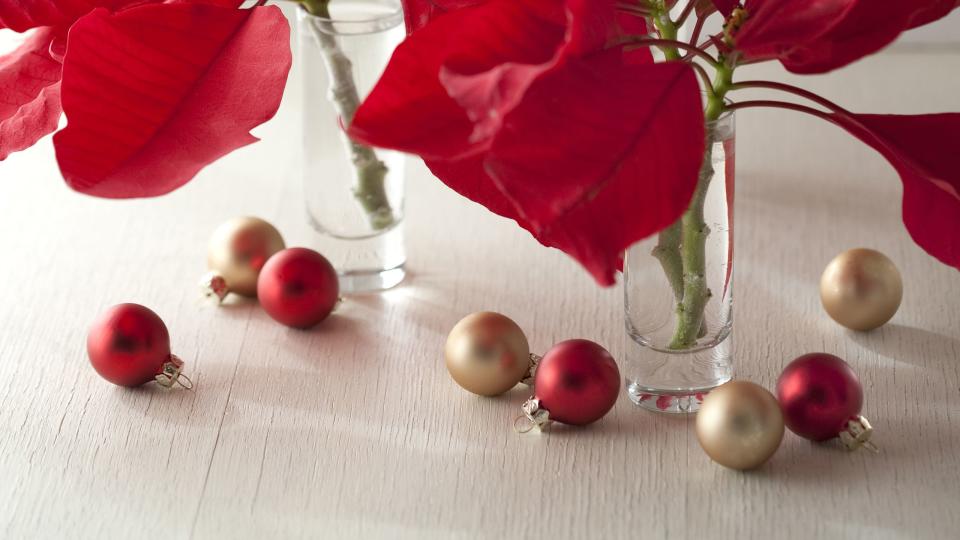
[[678, 292], [354, 193]]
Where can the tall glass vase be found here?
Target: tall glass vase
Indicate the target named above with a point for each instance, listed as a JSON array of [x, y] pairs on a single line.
[[678, 292], [354, 194]]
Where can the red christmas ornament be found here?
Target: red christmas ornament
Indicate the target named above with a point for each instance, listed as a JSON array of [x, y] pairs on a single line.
[[298, 287], [129, 345], [576, 382], [821, 398]]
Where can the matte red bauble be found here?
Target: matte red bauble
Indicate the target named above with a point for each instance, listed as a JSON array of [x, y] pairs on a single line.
[[576, 382], [821, 398], [129, 345], [298, 287]]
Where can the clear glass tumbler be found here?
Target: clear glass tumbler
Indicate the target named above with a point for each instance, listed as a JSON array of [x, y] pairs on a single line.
[[678, 293], [354, 193]]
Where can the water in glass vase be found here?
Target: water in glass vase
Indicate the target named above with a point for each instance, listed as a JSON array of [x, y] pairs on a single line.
[[678, 293], [354, 194]]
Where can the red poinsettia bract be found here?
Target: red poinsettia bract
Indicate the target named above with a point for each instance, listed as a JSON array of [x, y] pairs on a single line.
[[152, 91], [30, 82], [923, 150], [191, 91], [816, 37], [591, 149], [530, 108]]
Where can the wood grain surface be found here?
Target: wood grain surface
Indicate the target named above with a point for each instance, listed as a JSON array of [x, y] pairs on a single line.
[[354, 430]]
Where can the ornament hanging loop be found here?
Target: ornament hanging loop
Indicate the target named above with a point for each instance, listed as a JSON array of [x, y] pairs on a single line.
[[532, 372], [533, 417], [857, 434], [172, 373], [185, 382]]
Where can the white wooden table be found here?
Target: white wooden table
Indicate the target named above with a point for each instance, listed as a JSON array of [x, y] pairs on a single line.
[[354, 429]]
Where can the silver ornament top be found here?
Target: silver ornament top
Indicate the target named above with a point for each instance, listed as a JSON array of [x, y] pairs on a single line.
[[533, 417]]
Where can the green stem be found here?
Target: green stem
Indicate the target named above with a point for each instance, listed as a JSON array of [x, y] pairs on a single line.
[[317, 8], [693, 240], [667, 250], [369, 187], [694, 230], [667, 30]]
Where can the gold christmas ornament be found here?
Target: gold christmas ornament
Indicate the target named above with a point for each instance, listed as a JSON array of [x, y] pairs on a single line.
[[861, 289], [487, 353], [740, 425], [237, 251]]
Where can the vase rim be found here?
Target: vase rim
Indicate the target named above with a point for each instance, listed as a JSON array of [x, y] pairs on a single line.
[[389, 18], [727, 113]]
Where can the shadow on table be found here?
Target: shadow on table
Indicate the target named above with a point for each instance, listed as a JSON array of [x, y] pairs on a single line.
[[903, 342]]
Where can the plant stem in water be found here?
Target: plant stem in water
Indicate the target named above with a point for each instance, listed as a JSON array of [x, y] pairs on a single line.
[[694, 230], [369, 188], [693, 248]]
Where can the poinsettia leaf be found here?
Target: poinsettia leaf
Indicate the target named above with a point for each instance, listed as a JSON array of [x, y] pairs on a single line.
[[22, 15], [469, 178], [31, 122], [410, 109], [923, 150], [450, 86], [447, 85], [29, 84], [154, 93], [417, 13], [725, 7], [816, 37], [599, 155], [932, 11]]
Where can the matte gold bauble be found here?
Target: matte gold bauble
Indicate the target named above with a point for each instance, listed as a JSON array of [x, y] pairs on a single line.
[[740, 425], [238, 250], [861, 289], [487, 354]]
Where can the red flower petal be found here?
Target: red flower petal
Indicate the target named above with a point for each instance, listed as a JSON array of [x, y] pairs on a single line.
[[410, 109], [725, 7], [29, 84], [600, 155], [923, 149], [816, 37], [469, 178], [154, 93], [931, 11], [448, 85], [417, 13], [452, 85], [20, 15]]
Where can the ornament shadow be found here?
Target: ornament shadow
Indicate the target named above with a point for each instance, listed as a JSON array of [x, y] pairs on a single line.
[[236, 302], [420, 305], [168, 406], [628, 422], [516, 395], [819, 466], [899, 342]]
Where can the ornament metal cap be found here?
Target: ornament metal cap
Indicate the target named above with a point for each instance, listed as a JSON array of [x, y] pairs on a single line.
[[857, 434], [214, 285], [171, 372], [533, 417], [532, 371]]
